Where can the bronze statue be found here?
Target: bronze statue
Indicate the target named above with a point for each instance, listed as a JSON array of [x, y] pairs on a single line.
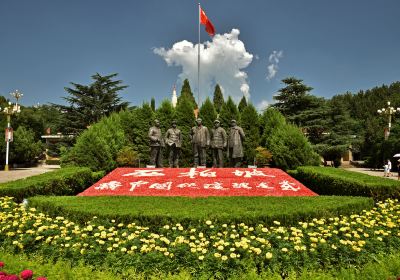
[[200, 141], [218, 144], [156, 144], [235, 144], [173, 139]]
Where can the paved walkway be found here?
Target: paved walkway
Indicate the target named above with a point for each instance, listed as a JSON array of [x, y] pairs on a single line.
[[376, 172], [20, 173]]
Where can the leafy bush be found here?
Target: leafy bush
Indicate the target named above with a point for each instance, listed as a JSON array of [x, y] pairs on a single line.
[[24, 149], [157, 211], [97, 147], [64, 181], [52, 161], [333, 181], [263, 156], [127, 157], [290, 148]]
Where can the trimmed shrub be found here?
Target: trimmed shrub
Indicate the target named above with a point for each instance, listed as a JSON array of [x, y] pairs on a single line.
[[158, 211], [65, 181], [333, 181], [98, 146]]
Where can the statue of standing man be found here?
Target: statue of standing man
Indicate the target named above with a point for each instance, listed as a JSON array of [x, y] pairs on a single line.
[[173, 138], [235, 144], [156, 144], [200, 140], [218, 144]]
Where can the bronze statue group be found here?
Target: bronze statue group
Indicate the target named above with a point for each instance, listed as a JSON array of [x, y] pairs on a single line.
[[201, 139]]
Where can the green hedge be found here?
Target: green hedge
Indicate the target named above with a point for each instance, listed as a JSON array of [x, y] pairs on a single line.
[[334, 181], [158, 211], [64, 181]]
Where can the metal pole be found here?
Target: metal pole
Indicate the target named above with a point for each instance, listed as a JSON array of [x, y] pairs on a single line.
[[198, 65], [8, 142]]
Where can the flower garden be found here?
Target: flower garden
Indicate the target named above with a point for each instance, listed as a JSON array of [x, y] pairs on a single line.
[[209, 248]]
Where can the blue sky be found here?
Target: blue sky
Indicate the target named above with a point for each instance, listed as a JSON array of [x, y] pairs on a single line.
[[334, 46]]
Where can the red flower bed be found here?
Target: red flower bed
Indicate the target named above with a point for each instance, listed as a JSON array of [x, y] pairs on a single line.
[[195, 182]]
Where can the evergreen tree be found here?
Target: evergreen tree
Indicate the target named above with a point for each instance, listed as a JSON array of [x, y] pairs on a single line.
[[250, 124], [185, 121], [242, 104], [270, 120], [186, 92], [89, 103], [208, 113], [293, 98], [229, 112], [218, 99], [153, 104], [165, 114]]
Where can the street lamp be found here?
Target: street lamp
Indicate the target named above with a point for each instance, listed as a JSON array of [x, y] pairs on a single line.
[[11, 110], [389, 111]]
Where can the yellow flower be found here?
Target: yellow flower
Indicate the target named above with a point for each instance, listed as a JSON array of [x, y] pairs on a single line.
[[268, 255], [284, 250], [224, 258], [201, 258], [208, 222]]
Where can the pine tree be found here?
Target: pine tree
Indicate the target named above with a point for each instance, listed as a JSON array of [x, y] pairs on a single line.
[[293, 98], [218, 99], [88, 104], [251, 126], [242, 104], [208, 113], [165, 114], [185, 121], [186, 92], [229, 112]]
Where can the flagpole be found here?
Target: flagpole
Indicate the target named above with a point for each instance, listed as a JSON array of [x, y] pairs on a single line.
[[198, 65]]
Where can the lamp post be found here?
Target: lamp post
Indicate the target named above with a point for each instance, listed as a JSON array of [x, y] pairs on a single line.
[[388, 111], [10, 110]]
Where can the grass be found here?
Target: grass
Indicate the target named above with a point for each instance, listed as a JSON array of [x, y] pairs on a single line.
[[383, 267], [156, 211]]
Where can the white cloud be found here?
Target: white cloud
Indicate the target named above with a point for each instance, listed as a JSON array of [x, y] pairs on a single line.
[[262, 105], [222, 61], [273, 59]]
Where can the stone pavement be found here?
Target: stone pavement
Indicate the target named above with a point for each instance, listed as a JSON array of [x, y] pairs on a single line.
[[20, 173], [372, 172]]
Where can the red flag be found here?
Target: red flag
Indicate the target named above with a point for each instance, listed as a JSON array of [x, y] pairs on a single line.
[[207, 23]]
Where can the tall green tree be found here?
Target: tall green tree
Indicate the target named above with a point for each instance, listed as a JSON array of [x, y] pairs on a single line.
[[89, 103], [186, 92], [229, 112], [293, 98], [251, 126], [218, 99], [242, 104], [165, 114], [208, 113], [186, 120]]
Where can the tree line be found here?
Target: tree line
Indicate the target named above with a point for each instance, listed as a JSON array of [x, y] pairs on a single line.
[[298, 119]]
